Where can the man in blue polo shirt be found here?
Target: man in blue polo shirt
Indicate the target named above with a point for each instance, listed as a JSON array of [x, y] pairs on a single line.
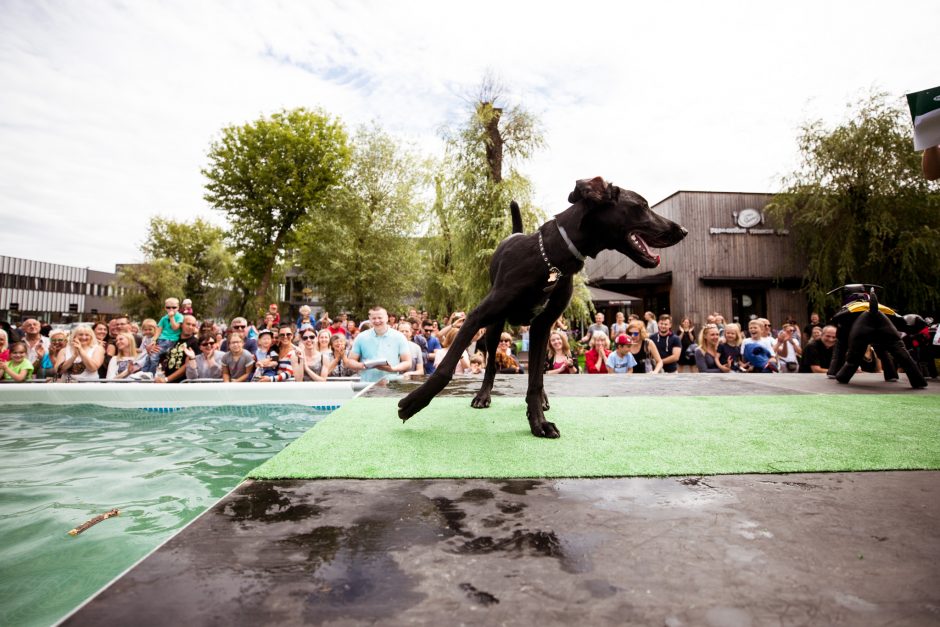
[[381, 342]]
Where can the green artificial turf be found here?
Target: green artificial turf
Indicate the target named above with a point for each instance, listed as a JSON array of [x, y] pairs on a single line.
[[619, 437]]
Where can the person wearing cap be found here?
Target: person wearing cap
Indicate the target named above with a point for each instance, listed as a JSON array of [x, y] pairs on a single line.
[[621, 361], [186, 307], [272, 309]]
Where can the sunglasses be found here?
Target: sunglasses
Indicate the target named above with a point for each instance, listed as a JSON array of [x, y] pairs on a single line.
[[208, 344], [310, 337], [633, 333], [285, 335], [238, 326], [505, 341], [51, 341], [171, 307]]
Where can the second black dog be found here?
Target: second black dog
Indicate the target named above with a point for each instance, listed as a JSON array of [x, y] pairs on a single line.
[[531, 278]]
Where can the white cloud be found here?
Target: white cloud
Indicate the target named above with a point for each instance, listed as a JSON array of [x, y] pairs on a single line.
[[108, 108]]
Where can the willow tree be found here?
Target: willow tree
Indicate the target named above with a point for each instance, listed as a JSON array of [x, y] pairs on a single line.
[[268, 176], [859, 210], [364, 252], [478, 178]]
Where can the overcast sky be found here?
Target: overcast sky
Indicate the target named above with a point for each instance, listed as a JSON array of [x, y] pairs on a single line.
[[107, 109]]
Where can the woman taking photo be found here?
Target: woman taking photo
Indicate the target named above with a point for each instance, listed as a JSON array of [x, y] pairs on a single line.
[[82, 357], [643, 349], [559, 359], [124, 362], [707, 357], [448, 338]]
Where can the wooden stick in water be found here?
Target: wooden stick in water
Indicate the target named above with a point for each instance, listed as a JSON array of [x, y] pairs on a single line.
[[94, 521]]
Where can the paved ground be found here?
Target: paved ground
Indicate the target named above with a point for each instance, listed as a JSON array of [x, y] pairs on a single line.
[[809, 549]]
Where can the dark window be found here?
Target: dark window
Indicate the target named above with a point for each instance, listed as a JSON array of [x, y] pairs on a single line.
[[747, 304]]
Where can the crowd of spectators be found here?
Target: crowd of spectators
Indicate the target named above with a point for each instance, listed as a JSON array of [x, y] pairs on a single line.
[[178, 348]]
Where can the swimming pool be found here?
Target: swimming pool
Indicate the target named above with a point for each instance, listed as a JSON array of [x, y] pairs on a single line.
[[61, 465]]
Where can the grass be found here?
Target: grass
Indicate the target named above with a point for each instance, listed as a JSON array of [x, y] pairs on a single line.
[[619, 437]]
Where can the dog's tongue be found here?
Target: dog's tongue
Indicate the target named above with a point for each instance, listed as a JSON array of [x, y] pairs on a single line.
[[656, 257]]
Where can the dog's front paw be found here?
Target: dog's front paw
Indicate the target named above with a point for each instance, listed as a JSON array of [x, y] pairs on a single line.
[[412, 404], [480, 401]]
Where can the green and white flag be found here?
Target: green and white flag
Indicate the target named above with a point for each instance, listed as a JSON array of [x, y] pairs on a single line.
[[925, 111]]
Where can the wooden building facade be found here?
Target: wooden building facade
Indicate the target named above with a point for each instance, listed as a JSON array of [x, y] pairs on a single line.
[[733, 262]]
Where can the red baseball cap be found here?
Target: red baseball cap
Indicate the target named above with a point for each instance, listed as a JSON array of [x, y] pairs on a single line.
[[623, 338]]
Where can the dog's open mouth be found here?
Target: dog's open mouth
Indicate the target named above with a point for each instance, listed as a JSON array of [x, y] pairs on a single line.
[[639, 244]]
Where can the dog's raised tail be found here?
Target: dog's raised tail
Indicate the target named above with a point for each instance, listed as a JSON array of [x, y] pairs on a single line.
[[516, 217]]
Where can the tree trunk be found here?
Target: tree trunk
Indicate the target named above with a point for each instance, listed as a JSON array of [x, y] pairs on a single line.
[[262, 291]]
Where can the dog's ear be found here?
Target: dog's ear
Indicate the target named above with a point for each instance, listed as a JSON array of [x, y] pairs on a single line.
[[592, 190]]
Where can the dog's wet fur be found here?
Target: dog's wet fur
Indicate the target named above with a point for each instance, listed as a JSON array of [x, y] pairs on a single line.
[[602, 217]]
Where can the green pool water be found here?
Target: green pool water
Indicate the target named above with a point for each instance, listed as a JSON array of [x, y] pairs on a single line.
[[60, 466]]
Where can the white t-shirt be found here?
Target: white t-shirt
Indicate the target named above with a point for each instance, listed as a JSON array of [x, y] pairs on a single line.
[[85, 374]]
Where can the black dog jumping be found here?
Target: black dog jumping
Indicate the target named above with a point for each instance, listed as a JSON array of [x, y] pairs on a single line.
[[531, 278]]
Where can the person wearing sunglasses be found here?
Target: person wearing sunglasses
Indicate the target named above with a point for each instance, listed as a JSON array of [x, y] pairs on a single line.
[[168, 333], [643, 349], [239, 326], [58, 338], [285, 353], [208, 363], [174, 364], [309, 357]]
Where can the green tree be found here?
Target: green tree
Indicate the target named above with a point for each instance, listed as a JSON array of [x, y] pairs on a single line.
[[183, 260], [364, 253], [859, 210], [479, 178], [147, 285], [268, 176]]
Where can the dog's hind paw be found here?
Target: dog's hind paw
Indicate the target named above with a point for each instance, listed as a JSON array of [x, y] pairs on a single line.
[[546, 430], [480, 401]]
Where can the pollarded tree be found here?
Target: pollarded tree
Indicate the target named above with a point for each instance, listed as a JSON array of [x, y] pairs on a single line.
[[268, 176], [364, 252], [860, 211], [478, 180]]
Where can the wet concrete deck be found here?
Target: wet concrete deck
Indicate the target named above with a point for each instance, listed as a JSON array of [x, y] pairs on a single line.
[[799, 549]]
